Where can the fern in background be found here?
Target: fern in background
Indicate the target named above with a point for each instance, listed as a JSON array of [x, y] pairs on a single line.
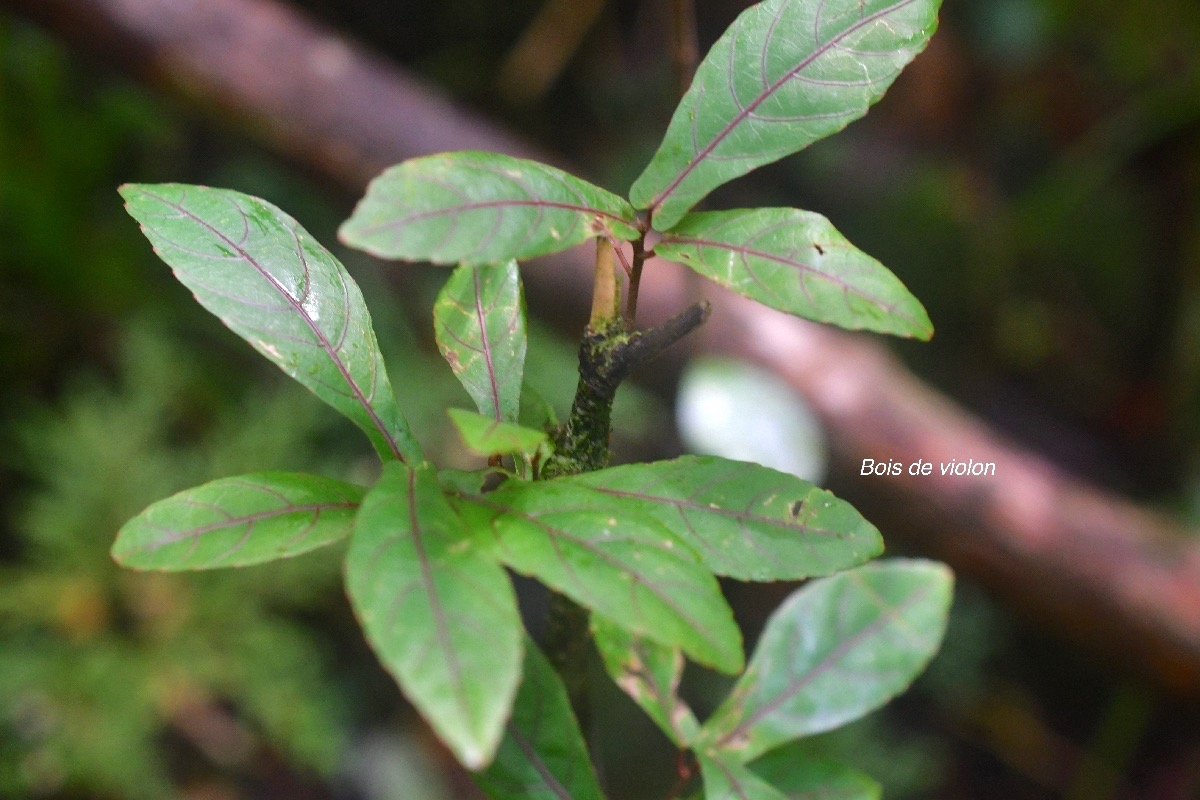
[[106, 676]]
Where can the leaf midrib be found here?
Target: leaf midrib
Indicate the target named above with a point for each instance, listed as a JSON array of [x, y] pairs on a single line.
[[485, 340], [441, 625], [459, 208], [179, 535], [529, 750], [690, 504]]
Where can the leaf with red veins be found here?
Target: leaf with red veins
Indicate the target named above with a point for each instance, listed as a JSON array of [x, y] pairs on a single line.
[[476, 207], [235, 522], [270, 282], [797, 262], [479, 321], [785, 74], [438, 610]]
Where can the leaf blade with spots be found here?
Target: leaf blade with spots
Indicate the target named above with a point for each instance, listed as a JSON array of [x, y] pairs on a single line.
[[797, 262], [479, 322], [428, 594], [476, 207], [271, 283], [785, 74], [649, 673], [239, 521], [744, 520]]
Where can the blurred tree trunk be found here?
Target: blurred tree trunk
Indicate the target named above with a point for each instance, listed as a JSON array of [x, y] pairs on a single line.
[[1107, 574]]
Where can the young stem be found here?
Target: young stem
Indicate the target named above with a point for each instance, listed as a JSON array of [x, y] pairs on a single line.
[[606, 287]]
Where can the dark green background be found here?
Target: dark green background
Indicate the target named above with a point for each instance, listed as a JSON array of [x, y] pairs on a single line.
[[1034, 178]]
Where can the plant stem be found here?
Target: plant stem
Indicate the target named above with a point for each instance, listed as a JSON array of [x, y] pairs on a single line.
[[567, 640], [606, 286], [606, 357], [607, 354]]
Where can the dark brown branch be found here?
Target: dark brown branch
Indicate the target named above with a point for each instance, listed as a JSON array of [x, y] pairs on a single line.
[[1104, 571], [606, 357]]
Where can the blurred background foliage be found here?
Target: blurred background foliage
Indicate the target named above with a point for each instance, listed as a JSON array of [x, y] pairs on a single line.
[[1034, 177]]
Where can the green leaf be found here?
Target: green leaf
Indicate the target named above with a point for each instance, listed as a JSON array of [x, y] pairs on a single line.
[[621, 564], [536, 411], [543, 755], [481, 208], [649, 673], [485, 436], [437, 609], [746, 521], [795, 261], [466, 481], [838, 648], [725, 778], [479, 318], [801, 777], [785, 74], [235, 522], [270, 282]]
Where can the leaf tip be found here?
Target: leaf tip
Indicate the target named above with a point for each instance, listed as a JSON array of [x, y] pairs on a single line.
[[473, 757], [923, 330], [907, 320], [731, 661], [123, 551], [130, 193], [940, 572], [345, 233], [117, 553]]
